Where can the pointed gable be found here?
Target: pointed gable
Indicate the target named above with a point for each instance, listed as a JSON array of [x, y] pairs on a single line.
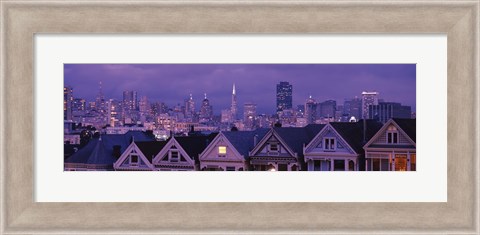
[[403, 134], [133, 159], [292, 139], [349, 136]]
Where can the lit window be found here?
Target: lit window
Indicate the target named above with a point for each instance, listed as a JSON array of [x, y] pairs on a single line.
[[222, 151]]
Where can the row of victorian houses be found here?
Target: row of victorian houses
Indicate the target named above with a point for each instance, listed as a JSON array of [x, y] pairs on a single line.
[[337, 146]]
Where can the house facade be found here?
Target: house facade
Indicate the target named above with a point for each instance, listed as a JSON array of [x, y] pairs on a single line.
[[393, 147], [229, 151], [100, 154], [338, 146], [281, 149], [182, 153], [138, 156]]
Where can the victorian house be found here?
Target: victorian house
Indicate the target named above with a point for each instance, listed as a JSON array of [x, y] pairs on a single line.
[[393, 147], [229, 150], [181, 153], [138, 156], [281, 149], [100, 154], [338, 146]]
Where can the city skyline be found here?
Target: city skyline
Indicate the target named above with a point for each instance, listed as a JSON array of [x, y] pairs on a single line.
[[255, 83]]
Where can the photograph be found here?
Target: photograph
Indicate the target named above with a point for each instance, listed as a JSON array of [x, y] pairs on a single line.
[[239, 117]]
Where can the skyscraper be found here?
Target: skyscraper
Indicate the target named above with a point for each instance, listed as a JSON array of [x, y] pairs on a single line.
[[206, 111], [189, 107], [100, 99], [130, 100], [67, 103], [130, 106], [284, 96], [234, 108], [249, 114], [368, 98], [310, 110]]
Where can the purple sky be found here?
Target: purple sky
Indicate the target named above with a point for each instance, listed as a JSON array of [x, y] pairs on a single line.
[[172, 83]]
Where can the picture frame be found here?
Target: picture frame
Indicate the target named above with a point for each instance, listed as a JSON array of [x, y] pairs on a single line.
[[21, 20]]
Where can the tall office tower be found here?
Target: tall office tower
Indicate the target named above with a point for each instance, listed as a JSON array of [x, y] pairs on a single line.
[[189, 107], [144, 106], [386, 110], [234, 108], [284, 96], [100, 103], [327, 109], [368, 98], [130, 100], [67, 103], [206, 111], [249, 114], [310, 110], [114, 113]]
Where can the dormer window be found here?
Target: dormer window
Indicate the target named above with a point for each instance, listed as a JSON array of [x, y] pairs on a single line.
[[392, 135], [222, 151], [273, 147], [329, 143], [134, 160], [174, 155]]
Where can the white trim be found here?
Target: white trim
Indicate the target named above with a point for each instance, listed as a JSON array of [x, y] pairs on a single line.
[[126, 154], [166, 150]]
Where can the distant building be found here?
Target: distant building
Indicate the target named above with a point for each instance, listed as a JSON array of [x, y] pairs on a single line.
[[352, 108], [189, 107], [284, 96], [78, 104], [226, 116], [368, 98], [310, 110], [327, 109], [388, 110], [67, 103], [234, 107], [249, 115], [130, 100], [206, 111]]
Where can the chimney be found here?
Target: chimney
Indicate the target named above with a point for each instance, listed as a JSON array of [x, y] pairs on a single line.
[[116, 151], [255, 140]]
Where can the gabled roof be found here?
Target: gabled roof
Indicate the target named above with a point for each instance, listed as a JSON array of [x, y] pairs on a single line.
[[100, 151], [194, 145], [296, 137], [243, 141], [409, 126], [352, 132], [150, 148]]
